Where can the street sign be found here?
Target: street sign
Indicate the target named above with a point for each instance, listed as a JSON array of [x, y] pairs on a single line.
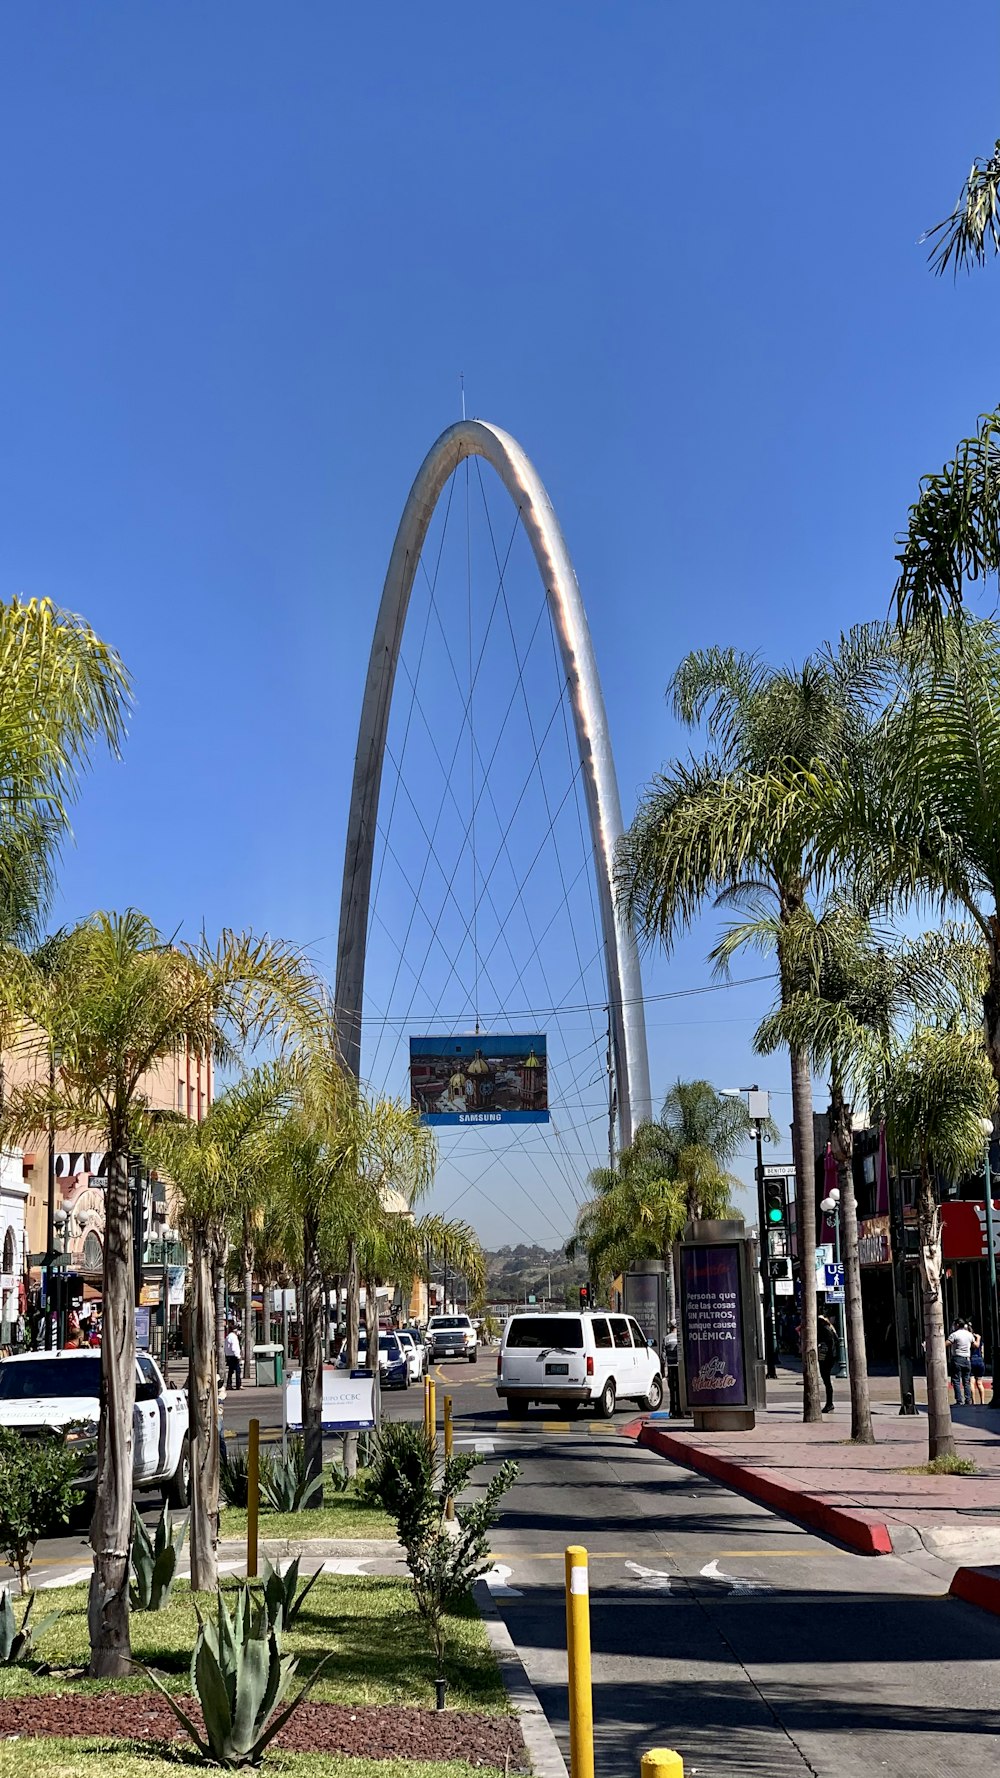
[[784, 1287], [834, 1277], [835, 1296], [780, 1170]]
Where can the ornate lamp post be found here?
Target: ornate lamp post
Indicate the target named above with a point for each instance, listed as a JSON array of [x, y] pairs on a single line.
[[830, 1207]]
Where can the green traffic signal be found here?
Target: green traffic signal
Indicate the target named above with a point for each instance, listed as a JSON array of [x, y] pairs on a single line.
[[775, 1214]]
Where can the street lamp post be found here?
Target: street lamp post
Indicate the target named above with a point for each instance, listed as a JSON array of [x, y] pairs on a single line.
[[987, 1126], [830, 1207], [758, 1106]]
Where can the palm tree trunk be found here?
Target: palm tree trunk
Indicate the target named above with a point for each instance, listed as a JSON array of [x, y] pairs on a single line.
[[371, 1321], [247, 1257], [353, 1316], [268, 1312], [219, 1287], [312, 1346], [940, 1432], [803, 1150], [111, 1527], [842, 1140], [203, 1412]]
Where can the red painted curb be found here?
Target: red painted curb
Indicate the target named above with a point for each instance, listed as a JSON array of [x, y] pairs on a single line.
[[977, 1586], [862, 1530]]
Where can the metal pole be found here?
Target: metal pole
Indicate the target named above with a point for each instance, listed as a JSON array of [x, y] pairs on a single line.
[[581, 1693], [992, 1256], [764, 1260], [253, 1497], [904, 1345], [449, 1511], [841, 1370]]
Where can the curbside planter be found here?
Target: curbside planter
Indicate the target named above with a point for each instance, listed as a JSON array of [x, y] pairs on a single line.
[[543, 1748]]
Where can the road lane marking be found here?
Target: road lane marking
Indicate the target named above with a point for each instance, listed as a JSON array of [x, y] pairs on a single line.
[[712, 1571], [560, 1555], [796, 1555], [655, 1580]]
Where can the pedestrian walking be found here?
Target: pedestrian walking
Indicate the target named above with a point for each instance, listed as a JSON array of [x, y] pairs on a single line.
[[959, 1344], [827, 1345], [977, 1366], [671, 1363], [234, 1358]]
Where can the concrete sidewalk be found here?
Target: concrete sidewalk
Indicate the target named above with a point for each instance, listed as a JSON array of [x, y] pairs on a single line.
[[859, 1494]]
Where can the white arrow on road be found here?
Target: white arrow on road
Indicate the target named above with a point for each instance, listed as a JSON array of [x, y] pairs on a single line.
[[712, 1571], [653, 1578], [496, 1579]]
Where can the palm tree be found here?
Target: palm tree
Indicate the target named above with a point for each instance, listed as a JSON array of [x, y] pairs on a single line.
[[62, 692], [672, 1172], [219, 1170], [121, 1000], [953, 534], [340, 1152], [851, 990], [935, 1088], [730, 828]]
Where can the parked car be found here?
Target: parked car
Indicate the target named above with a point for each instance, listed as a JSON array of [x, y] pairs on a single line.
[[415, 1353], [452, 1336], [393, 1365], [56, 1395], [571, 1359]]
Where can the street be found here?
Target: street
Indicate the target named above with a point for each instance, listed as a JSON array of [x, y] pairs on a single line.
[[718, 1628]]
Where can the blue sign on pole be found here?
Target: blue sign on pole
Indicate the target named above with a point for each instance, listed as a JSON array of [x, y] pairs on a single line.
[[834, 1277]]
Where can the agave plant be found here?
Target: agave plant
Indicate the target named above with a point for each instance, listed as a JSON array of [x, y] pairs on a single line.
[[279, 1591], [17, 1644], [234, 1474], [285, 1485], [154, 1565], [240, 1678]]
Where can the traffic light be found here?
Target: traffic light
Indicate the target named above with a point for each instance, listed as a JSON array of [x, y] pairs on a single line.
[[776, 1203], [779, 1268], [585, 1296]]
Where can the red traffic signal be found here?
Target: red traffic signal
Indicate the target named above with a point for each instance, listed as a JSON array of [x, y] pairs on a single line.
[[585, 1296]]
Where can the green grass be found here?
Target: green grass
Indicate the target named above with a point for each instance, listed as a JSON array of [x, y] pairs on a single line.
[[943, 1466], [341, 1515], [369, 1623], [88, 1758]]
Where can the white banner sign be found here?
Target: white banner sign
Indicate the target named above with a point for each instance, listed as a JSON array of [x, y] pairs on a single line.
[[347, 1401]]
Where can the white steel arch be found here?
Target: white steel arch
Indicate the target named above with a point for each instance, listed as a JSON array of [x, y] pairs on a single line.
[[628, 1025]]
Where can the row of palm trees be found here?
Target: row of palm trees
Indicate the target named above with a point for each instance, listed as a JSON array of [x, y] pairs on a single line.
[[290, 1170], [293, 1149]]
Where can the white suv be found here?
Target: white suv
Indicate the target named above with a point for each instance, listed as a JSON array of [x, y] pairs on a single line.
[[570, 1359], [452, 1336]]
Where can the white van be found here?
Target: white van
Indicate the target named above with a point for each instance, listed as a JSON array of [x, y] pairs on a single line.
[[570, 1359]]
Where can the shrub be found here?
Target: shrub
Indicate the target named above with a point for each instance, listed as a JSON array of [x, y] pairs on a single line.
[[284, 1485], [17, 1644], [38, 1489], [414, 1485], [155, 1564], [240, 1678]]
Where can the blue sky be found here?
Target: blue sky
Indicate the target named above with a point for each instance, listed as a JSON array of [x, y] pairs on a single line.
[[247, 253]]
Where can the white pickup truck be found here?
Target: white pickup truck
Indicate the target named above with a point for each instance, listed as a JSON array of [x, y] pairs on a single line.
[[57, 1395]]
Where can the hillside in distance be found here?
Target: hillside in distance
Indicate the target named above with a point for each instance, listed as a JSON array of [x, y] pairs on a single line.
[[515, 1273]]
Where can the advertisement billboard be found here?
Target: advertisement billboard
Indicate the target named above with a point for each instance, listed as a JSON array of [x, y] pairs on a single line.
[[479, 1080], [712, 1320]]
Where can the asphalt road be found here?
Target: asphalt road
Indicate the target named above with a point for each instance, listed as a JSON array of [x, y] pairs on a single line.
[[719, 1629]]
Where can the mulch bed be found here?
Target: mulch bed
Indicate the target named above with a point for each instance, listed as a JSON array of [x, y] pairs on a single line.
[[379, 1731]]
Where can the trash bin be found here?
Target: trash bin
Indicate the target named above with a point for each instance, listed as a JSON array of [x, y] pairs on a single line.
[[269, 1365]]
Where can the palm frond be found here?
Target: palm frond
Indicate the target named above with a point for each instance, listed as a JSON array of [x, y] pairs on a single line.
[[963, 238]]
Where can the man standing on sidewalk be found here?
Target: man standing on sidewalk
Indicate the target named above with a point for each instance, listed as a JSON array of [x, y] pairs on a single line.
[[827, 1345], [959, 1345], [234, 1358], [670, 1365]]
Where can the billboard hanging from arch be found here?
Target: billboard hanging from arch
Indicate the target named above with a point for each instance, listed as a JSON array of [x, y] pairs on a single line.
[[480, 1080]]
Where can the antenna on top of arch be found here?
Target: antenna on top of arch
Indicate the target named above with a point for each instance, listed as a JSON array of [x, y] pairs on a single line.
[[461, 384]]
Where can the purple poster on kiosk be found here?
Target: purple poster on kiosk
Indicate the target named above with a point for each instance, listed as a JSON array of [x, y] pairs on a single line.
[[712, 1322]]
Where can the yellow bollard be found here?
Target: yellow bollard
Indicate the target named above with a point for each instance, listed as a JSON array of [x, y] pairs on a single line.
[[427, 1415], [662, 1762], [581, 1695], [253, 1497], [449, 1510]]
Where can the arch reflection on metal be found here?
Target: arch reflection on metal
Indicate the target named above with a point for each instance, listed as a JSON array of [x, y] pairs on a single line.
[[628, 1025]]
